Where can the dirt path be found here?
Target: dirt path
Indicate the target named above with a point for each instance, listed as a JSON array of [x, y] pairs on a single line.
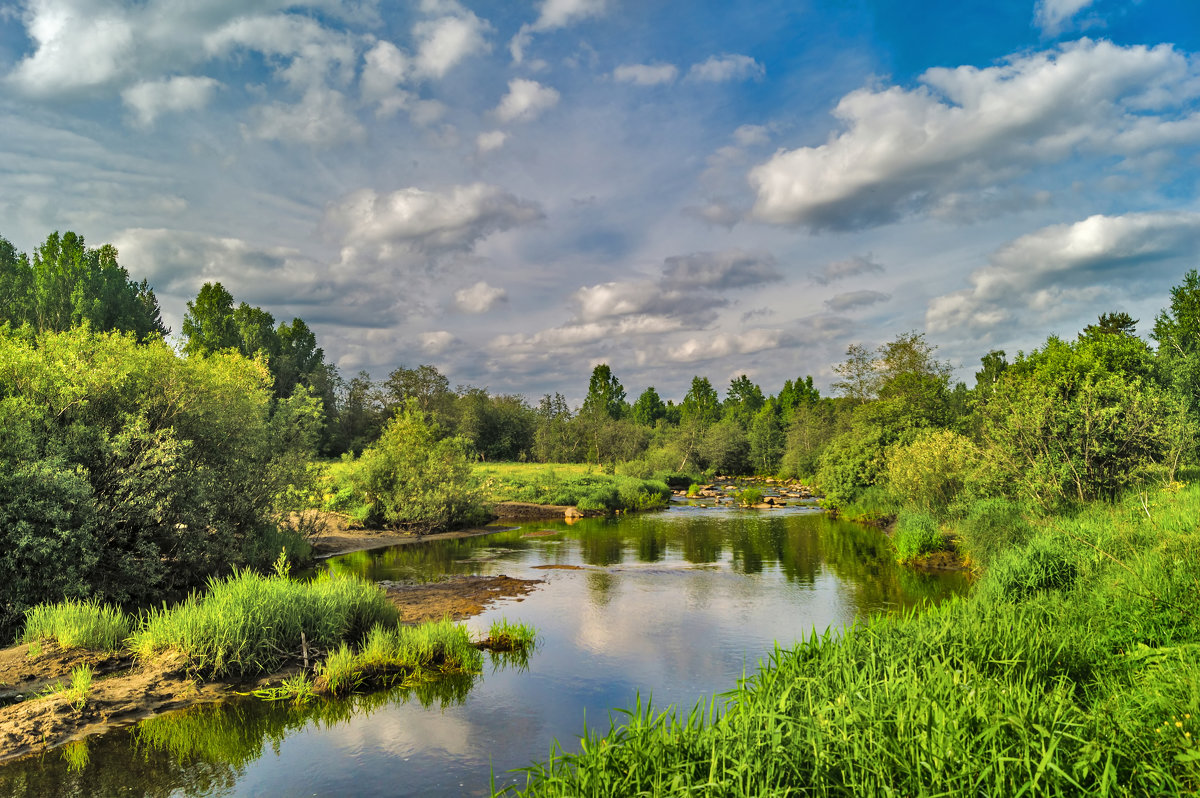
[[35, 717]]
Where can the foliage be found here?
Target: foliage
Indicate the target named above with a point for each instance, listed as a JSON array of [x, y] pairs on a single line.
[[750, 497], [570, 484], [725, 448], [701, 402], [130, 474], [1073, 422], [67, 285], [412, 480], [766, 440], [648, 408], [605, 397], [851, 462], [87, 624], [933, 470], [916, 535], [1177, 331]]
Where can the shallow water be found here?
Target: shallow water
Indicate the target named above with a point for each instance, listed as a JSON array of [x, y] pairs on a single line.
[[675, 605]]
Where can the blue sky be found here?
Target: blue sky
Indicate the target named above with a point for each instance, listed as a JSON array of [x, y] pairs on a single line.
[[517, 191]]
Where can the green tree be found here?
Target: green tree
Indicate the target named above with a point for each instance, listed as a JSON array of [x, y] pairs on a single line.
[[798, 393], [1119, 323], [424, 384], [743, 400], [1177, 332], [767, 440], [606, 396], [701, 402], [648, 408], [208, 324], [556, 439], [859, 375]]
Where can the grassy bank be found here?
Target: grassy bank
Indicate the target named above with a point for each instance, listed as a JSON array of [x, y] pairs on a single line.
[[248, 625], [1074, 668], [575, 484]]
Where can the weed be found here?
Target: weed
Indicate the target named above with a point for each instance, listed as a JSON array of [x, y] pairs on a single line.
[[70, 623]]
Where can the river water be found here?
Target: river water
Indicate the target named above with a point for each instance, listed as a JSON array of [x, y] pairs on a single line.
[[673, 606]]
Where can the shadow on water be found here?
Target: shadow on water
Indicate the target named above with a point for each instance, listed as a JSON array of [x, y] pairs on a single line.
[[205, 749]]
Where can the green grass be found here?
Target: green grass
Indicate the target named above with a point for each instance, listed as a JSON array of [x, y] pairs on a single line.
[[88, 624], [575, 484], [249, 624], [1088, 685], [390, 655], [916, 535], [506, 636]]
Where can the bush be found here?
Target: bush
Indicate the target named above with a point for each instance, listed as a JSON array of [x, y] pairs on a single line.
[[917, 534], [413, 481], [750, 496], [933, 470], [991, 527]]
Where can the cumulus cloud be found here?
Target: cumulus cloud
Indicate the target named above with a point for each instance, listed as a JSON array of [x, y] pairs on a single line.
[[444, 42], [430, 222], [479, 298], [722, 270], [849, 267], [969, 129], [150, 99], [856, 299], [1053, 15], [320, 119], [490, 140], [727, 67], [310, 54], [645, 74], [709, 347], [525, 101], [552, 15], [1051, 271], [385, 67]]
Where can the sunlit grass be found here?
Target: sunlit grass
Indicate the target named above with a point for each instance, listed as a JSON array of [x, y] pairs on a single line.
[[88, 624]]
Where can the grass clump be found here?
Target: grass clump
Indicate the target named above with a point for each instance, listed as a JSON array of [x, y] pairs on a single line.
[[389, 655], [916, 535], [570, 484], [86, 624], [991, 527], [750, 497], [248, 624], [506, 636]]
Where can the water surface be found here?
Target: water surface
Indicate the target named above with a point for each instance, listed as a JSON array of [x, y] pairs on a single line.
[[675, 605]]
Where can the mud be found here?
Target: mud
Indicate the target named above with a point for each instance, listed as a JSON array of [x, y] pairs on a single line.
[[332, 534], [457, 598]]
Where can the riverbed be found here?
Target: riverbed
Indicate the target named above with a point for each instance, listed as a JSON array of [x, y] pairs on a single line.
[[672, 606]]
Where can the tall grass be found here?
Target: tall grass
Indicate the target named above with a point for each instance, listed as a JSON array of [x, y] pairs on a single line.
[[88, 624], [390, 654], [573, 484], [1057, 686], [249, 624]]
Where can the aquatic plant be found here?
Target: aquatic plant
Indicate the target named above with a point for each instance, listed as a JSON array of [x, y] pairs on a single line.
[[916, 534]]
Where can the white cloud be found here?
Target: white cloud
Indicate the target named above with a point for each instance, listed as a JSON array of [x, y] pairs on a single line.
[[1051, 271], [971, 129], [1053, 15], [316, 53], [442, 43], [751, 135], [479, 298], [490, 140], [709, 347], [552, 15], [437, 341], [78, 45], [149, 99], [385, 67], [320, 119], [645, 74], [727, 67], [430, 222], [526, 99], [854, 266], [715, 213], [855, 299]]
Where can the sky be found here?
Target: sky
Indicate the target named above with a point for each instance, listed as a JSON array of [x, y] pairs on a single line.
[[517, 191]]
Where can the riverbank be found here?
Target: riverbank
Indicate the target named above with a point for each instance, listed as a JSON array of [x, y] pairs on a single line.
[[1071, 669], [38, 711]]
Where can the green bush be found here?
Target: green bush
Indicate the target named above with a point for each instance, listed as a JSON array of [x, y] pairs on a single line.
[[933, 471], [991, 527], [750, 496], [917, 534], [412, 480]]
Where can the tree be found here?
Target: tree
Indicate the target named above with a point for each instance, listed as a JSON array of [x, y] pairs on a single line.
[[1177, 331], [743, 400], [605, 397], [701, 402], [424, 384], [208, 324], [766, 440], [555, 439], [795, 394], [648, 408], [994, 363], [1120, 323], [859, 375]]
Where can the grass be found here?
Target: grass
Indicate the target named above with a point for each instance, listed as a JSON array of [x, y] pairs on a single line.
[[86, 624], [575, 484], [249, 624], [916, 535], [1058, 687], [79, 690], [506, 636]]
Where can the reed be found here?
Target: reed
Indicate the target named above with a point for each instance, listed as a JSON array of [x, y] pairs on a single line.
[[87, 624]]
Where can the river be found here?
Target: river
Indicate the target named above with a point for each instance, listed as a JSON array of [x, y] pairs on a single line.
[[672, 606]]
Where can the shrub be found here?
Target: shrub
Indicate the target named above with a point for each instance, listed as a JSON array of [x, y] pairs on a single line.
[[991, 527], [750, 496], [916, 534], [933, 470], [416, 482]]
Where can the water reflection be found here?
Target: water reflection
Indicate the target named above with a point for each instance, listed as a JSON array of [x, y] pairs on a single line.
[[677, 605]]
